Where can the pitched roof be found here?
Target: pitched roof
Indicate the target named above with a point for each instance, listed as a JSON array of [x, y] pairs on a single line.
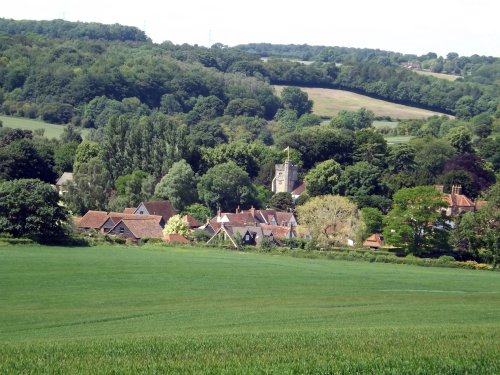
[[146, 227], [162, 208], [278, 231], [459, 200], [117, 216], [177, 238], [299, 189], [191, 221], [93, 220], [375, 240], [129, 210], [66, 177]]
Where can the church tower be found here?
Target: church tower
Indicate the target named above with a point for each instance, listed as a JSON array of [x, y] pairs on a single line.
[[286, 177]]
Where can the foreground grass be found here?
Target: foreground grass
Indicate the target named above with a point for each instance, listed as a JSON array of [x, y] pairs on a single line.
[[328, 102], [153, 310], [50, 130]]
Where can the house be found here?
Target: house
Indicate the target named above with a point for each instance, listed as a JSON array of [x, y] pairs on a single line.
[[162, 208], [298, 191], [176, 238], [138, 226], [375, 241], [254, 217], [115, 217], [458, 202], [92, 220], [191, 222], [279, 232], [246, 235], [63, 181]]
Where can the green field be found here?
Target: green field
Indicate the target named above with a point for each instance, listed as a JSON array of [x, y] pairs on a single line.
[[51, 130], [328, 102], [167, 310], [448, 77], [398, 139]]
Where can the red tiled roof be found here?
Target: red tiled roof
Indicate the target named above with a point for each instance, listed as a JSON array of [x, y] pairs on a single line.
[[93, 220], [177, 238], [375, 240], [191, 221], [129, 210], [459, 200], [277, 231], [162, 208]]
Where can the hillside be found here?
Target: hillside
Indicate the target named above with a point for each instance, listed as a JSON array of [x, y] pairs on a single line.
[[124, 309], [328, 102]]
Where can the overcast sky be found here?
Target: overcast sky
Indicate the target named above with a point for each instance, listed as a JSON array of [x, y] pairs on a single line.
[[464, 26]]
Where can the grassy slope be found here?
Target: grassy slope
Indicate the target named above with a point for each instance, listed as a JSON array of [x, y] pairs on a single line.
[[51, 130], [448, 77], [106, 309], [328, 102]]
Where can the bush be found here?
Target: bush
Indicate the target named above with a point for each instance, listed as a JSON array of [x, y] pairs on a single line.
[[200, 235], [446, 259]]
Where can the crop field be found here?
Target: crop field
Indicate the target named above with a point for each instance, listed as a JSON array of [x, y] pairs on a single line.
[[51, 130], [328, 102], [117, 309]]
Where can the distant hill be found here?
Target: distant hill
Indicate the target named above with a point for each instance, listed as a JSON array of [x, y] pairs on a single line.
[[61, 29]]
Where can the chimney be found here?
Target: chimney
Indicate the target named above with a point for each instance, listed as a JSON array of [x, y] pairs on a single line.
[[219, 213], [238, 209], [252, 211], [458, 189]]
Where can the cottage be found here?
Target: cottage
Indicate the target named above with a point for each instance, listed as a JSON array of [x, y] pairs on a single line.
[[92, 220], [63, 181], [458, 202], [139, 226], [191, 222], [162, 208], [375, 241], [248, 235]]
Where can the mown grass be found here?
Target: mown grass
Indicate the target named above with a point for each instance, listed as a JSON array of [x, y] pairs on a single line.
[[328, 102], [50, 130], [398, 139], [168, 310], [448, 77]]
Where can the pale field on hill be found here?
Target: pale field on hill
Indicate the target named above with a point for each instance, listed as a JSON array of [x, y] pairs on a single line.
[[329, 102]]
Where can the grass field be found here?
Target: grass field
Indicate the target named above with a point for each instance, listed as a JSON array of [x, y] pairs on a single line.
[[448, 77], [51, 130], [166, 310], [398, 139], [328, 102]]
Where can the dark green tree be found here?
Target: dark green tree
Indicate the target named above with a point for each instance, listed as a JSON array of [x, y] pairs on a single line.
[[374, 220], [416, 223], [322, 179], [226, 186], [296, 99], [178, 186], [282, 201], [30, 208]]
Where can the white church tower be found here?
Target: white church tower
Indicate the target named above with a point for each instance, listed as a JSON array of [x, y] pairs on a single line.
[[286, 176]]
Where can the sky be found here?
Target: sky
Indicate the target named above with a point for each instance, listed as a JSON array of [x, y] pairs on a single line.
[[464, 26]]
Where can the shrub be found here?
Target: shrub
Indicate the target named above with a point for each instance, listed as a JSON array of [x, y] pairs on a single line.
[[446, 259]]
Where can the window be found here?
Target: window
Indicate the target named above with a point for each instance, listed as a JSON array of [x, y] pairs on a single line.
[[141, 212], [247, 237], [122, 229]]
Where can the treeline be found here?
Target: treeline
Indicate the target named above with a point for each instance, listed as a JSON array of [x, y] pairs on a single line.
[[70, 80], [61, 29]]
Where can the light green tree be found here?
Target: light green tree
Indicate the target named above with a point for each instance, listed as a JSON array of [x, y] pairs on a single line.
[[176, 225]]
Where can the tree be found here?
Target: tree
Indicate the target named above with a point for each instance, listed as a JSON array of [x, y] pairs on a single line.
[[360, 179], [361, 119], [64, 157], [176, 225], [85, 152], [296, 99], [198, 211], [133, 189], [226, 186], [30, 208], [332, 219], [416, 223], [71, 134], [178, 186], [401, 158], [91, 187], [461, 139], [373, 218], [282, 201], [321, 179]]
